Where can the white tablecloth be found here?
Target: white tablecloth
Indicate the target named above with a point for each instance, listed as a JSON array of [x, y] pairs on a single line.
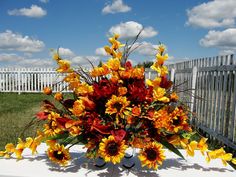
[[173, 166]]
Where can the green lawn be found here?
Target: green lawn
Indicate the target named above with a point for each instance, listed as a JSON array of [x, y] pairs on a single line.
[[16, 111]]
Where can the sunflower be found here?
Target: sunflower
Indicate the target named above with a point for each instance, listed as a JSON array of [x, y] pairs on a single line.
[[152, 155], [179, 120], [111, 150], [117, 105], [58, 154]]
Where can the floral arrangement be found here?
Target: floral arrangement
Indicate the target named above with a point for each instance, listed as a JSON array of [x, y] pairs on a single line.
[[113, 108]]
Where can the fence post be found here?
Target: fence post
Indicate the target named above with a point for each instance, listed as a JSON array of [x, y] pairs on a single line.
[[172, 74], [194, 79], [18, 81]]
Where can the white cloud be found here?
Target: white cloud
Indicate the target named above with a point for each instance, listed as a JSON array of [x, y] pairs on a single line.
[[83, 61], [224, 40], [117, 6], [216, 13], [44, 1], [227, 52], [34, 11], [35, 63], [101, 52], [64, 52], [10, 57], [130, 29], [17, 42], [146, 48]]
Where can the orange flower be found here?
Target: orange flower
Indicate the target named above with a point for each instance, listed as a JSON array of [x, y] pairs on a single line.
[[58, 96], [174, 97], [136, 111], [122, 90], [47, 90]]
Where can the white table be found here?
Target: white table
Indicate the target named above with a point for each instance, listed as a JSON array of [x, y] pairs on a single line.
[[173, 166]]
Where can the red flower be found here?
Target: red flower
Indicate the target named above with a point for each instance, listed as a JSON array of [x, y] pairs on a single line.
[[103, 89], [137, 91], [118, 134]]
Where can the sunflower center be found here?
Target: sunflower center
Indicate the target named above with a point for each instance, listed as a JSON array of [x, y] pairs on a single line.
[[151, 154], [112, 148], [58, 156], [118, 106], [176, 121]]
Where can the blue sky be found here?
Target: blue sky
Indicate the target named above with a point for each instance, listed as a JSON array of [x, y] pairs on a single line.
[[190, 29]]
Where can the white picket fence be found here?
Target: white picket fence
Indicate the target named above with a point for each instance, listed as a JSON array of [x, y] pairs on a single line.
[[209, 87], [30, 80]]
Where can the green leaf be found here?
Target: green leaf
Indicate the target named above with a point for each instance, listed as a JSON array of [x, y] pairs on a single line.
[[171, 147], [59, 136]]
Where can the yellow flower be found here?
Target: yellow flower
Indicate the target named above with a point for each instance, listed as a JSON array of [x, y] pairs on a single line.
[[113, 64], [53, 128], [202, 146], [56, 57], [111, 150], [73, 79], [58, 96], [161, 58], [58, 154], [159, 94], [137, 73], [219, 153], [19, 149], [73, 126], [115, 44], [84, 89], [10, 148], [179, 120], [64, 66], [152, 155], [162, 119], [117, 105], [154, 83], [191, 147], [33, 143], [162, 70], [161, 48], [78, 108], [100, 71]]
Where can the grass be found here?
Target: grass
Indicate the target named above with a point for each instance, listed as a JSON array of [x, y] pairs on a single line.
[[16, 111]]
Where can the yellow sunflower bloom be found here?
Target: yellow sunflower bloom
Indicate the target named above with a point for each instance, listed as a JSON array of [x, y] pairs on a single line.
[[117, 105], [112, 151], [58, 154], [152, 155]]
